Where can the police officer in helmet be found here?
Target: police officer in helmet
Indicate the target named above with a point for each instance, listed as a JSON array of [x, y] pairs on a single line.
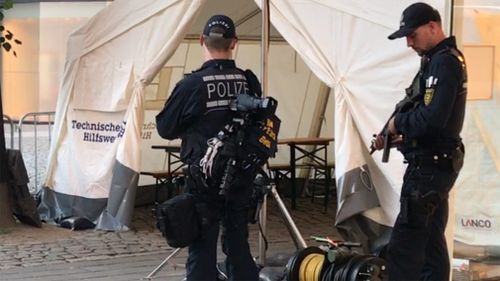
[[197, 109], [426, 129]]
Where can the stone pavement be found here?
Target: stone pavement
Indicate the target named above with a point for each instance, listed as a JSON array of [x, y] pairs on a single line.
[[52, 253]]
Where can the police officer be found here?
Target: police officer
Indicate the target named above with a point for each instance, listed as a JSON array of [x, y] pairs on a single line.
[[197, 109], [427, 131]]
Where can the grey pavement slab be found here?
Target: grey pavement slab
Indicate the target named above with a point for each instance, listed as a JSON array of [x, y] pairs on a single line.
[[134, 267]]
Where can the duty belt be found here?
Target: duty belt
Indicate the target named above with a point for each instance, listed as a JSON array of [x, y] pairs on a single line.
[[428, 159]]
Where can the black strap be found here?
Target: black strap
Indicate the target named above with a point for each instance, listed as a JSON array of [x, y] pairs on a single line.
[[253, 82]]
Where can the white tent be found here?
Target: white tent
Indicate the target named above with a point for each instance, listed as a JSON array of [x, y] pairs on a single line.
[[100, 108], [342, 42], [331, 37]]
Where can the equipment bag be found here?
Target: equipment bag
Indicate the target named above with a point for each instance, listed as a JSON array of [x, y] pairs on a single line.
[[178, 220], [261, 138]]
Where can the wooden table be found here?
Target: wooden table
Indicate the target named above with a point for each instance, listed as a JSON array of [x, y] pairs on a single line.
[[297, 145], [173, 156]]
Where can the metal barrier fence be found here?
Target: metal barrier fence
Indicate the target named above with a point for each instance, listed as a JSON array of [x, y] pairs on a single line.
[[8, 121], [36, 126]]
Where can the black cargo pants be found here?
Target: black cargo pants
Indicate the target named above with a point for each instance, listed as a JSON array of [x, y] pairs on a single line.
[[230, 210], [417, 249]]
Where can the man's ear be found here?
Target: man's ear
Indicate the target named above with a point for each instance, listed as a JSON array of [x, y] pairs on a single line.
[[202, 40], [434, 26], [233, 43]]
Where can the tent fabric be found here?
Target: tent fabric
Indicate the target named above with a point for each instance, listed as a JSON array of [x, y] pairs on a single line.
[[476, 218], [100, 107], [345, 44]]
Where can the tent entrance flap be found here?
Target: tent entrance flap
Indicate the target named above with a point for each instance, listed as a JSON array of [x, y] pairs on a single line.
[[95, 157]]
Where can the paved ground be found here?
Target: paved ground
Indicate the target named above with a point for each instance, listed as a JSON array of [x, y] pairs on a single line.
[[52, 253]]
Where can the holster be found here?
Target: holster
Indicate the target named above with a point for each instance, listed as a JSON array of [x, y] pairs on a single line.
[[457, 158], [417, 208], [195, 180]]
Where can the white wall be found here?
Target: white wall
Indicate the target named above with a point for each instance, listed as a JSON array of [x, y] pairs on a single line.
[[30, 81]]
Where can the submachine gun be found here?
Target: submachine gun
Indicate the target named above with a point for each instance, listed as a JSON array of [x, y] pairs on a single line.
[[412, 95]]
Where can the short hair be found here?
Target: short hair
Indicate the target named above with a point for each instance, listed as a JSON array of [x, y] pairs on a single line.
[[217, 43]]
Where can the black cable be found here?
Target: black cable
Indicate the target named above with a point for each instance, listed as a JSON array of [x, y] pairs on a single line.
[[262, 234]]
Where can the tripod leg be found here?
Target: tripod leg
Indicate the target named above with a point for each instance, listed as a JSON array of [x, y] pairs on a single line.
[[290, 224], [162, 264], [263, 226]]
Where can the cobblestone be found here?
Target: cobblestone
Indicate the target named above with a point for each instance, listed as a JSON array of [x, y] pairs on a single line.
[[53, 253], [43, 248]]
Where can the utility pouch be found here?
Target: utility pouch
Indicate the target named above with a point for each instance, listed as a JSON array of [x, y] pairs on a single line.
[[457, 158], [178, 220]]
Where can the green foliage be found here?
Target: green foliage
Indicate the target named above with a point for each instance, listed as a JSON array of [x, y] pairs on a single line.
[[7, 4], [7, 40]]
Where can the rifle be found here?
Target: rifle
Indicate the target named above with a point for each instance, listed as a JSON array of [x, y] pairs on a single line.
[[387, 139], [412, 94], [402, 106]]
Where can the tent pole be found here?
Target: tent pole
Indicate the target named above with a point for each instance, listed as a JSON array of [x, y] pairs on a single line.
[[265, 46], [264, 80], [452, 6]]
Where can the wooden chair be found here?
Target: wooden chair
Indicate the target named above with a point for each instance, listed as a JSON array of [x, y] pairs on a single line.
[[319, 176]]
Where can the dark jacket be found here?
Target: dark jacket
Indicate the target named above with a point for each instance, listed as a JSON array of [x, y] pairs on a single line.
[[198, 107], [434, 123]]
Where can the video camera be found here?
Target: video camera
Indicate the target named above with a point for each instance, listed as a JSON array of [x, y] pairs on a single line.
[[262, 107]]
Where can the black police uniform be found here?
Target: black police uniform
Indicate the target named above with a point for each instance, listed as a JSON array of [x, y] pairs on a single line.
[[434, 152], [196, 111]]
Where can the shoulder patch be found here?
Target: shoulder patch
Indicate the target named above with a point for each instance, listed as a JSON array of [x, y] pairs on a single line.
[[459, 56], [429, 93]]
